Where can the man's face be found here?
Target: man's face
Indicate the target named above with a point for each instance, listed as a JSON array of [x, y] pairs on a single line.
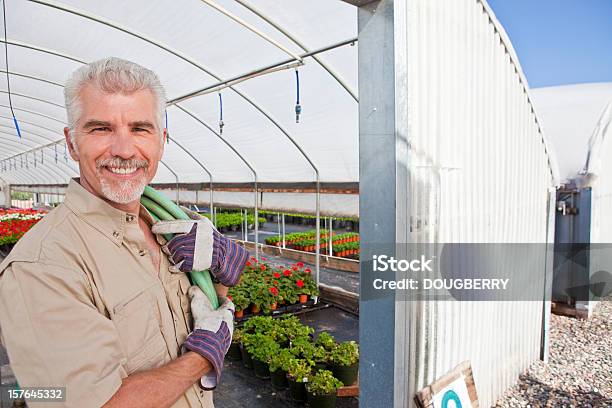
[[118, 143]]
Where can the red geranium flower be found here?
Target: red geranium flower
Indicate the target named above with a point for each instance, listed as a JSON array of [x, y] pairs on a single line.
[[275, 283], [300, 264], [277, 275], [262, 267], [248, 263], [287, 272], [299, 283], [273, 291], [294, 267], [230, 297], [307, 270], [264, 259]]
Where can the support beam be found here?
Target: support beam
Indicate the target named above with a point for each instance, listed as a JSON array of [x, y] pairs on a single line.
[[384, 330]]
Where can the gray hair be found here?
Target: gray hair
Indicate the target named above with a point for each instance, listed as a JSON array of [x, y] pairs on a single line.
[[112, 75]]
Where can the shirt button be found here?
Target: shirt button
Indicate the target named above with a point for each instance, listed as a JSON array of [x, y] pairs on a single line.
[[142, 252], [115, 234], [129, 218]]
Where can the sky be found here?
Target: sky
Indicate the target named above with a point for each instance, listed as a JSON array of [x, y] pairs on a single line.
[[559, 41]]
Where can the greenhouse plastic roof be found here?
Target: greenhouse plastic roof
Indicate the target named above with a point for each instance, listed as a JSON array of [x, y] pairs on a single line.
[[569, 116], [192, 45]]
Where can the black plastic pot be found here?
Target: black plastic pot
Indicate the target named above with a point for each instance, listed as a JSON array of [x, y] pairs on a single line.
[[318, 367], [346, 374], [321, 401], [234, 354], [262, 370], [297, 390], [247, 361], [279, 379]]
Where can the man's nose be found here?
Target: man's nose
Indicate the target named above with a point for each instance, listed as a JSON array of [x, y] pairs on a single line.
[[123, 144]]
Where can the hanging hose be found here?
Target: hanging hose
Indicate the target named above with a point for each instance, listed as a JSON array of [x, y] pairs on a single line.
[[298, 107], [161, 208], [221, 124]]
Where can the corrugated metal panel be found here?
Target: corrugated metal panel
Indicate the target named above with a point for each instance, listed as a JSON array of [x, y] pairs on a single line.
[[479, 172]]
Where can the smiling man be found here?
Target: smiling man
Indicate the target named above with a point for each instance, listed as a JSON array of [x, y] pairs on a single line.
[[91, 299]]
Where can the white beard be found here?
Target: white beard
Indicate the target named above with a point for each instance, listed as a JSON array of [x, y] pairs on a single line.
[[123, 192]]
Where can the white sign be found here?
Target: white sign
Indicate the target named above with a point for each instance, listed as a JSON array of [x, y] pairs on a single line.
[[454, 395]]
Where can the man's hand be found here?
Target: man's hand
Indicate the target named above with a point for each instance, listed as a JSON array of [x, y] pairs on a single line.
[[212, 333], [198, 246]]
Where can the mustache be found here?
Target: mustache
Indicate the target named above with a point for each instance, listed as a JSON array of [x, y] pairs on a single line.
[[118, 162]]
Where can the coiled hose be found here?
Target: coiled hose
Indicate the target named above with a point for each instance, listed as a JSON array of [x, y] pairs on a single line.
[[161, 208]]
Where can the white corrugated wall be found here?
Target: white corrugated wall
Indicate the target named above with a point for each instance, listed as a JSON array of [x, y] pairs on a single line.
[[479, 172]]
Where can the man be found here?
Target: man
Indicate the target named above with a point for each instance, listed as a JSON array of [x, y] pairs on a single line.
[[88, 298]]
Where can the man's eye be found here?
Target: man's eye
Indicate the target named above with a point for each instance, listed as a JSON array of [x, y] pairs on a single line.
[[140, 129], [101, 129]]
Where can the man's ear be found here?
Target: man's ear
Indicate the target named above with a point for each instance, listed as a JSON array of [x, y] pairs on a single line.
[[73, 151]]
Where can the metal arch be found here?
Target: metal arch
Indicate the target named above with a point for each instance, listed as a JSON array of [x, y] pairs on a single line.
[[244, 160], [176, 177], [19, 74], [297, 42], [175, 53], [34, 113], [59, 168], [36, 48], [29, 123], [39, 172], [212, 218], [29, 132], [33, 98], [251, 28]]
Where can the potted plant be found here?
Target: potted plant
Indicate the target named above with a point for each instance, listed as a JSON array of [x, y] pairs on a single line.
[[326, 340], [321, 390], [240, 301], [247, 339], [298, 371], [279, 364], [293, 328], [344, 361], [261, 349], [234, 353]]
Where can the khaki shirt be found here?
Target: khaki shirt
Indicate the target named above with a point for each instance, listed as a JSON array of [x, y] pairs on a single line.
[[82, 307]]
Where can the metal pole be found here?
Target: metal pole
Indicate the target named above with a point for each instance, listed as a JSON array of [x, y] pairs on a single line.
[[284, 231], [177, 180], [256, 221], [211, 201], [331, 235], [278, 223], [318, 229]]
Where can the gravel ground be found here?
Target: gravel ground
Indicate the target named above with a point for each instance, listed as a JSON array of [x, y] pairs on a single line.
[[579, 371]]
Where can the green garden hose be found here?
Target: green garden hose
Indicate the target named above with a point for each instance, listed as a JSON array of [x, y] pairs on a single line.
[[161, 208]]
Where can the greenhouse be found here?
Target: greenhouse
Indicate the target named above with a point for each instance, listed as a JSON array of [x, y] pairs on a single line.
[[578, 118], [317, 134]]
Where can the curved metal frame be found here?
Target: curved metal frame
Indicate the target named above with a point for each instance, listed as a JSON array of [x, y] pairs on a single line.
[[177, 180]]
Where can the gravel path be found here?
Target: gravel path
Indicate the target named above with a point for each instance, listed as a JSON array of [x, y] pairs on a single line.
[[579, 371]]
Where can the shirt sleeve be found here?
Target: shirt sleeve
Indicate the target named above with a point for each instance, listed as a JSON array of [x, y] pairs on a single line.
[[56, 337]]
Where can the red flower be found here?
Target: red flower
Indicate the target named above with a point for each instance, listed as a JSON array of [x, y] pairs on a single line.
[[300, 264], [275, 283], [230, 297], [294, 267], [262, 267], [299, 283], [307, 270], [248, 263], [277, 275], [273, 291], [287, 272], [264, 259]]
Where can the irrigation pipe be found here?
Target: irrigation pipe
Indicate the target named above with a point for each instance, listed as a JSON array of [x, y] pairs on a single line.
[[161, 208]]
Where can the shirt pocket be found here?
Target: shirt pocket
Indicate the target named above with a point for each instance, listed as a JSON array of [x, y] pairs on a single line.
[[139, 332]]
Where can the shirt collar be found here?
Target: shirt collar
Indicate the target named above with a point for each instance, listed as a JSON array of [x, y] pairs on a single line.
[[99, 214]]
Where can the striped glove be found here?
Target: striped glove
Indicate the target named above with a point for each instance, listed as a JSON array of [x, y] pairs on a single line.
[[198, 246], [212, 333]]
